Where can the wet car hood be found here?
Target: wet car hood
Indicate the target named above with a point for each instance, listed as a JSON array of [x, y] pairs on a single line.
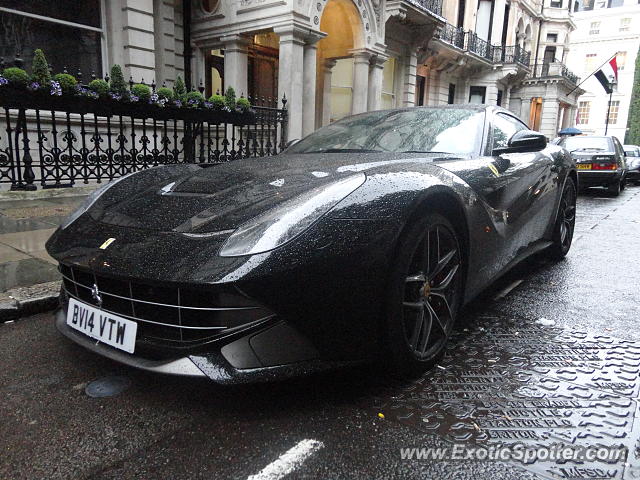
[[223, 196]]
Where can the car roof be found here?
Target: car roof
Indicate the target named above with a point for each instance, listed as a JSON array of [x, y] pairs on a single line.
[[631, 146]]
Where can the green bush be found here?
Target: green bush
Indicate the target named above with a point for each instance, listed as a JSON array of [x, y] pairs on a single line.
[[67, 82], [16, 75], [99, 86], [165, 93], [179, 89], [142, 91], [243, 104], [195, 97], [230, 99], [118, 85], [217, 101], [40, 69]]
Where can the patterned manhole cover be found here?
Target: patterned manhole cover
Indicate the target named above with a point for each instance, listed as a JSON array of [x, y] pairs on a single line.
[[540, 388]]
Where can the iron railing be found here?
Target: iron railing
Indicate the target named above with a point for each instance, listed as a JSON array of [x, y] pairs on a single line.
[[471, 42], [433, 6], [554, 69], [511, 54], [59, 141], [451, 35], [478, 46]]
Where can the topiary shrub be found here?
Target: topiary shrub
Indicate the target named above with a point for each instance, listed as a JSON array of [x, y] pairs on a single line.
[[195, 98], [118, 85], [165, 93], [40, 68], [230, 99], [142, 91], [217, 101], [243, 104], [99, 86], [179, 89], [67, 82], [16, 76]]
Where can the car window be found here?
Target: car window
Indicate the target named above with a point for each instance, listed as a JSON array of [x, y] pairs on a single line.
[[504, 126]]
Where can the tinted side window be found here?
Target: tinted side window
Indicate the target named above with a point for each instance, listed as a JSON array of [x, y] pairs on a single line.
[[504, 127]]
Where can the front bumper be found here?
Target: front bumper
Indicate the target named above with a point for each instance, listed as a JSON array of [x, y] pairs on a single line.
[[178, 366]]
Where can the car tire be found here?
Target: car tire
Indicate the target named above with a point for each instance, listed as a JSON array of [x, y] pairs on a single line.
[[565, 223], [425, 290], [614, 189]]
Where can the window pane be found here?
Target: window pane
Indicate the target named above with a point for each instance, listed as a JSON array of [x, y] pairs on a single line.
[[74, 48], [503, 129], [86, 12]]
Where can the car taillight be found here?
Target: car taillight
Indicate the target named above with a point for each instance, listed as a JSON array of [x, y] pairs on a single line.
[[604, 166]]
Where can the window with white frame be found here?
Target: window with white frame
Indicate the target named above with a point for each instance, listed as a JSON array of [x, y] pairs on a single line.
[[583, 113], [625, 24], [614, 106], [70, 33], [621, 60], [388, 83], [590, 62], [594, 28]]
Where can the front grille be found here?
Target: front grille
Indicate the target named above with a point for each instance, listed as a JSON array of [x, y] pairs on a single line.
[[167, 315]]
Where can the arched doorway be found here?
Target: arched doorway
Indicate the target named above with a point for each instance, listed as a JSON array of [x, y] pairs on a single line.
[[342, 23]]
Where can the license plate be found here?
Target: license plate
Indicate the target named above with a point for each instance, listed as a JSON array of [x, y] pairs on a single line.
[[583, 166], [105, 327]]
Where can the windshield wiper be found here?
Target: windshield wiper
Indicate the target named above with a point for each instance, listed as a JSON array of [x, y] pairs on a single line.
[[344, 150], [584, 149]]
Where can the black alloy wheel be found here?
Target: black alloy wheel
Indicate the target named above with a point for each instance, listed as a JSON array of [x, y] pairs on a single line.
[[565, 222], [426, 294]]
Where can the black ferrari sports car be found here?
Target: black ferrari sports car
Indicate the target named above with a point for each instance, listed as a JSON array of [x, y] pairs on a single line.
[[362, 241]]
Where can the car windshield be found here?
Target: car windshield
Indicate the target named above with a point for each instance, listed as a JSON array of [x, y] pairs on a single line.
[[437, 130], [586, 143]]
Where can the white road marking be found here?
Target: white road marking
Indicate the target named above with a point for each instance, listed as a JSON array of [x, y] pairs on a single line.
[[288, 461]]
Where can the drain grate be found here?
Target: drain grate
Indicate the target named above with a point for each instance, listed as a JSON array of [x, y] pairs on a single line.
[[107, 386], [532, 386]]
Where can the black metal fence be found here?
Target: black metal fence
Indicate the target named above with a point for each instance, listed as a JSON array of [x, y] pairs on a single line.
[[434, 6], [554, 69], [59, 141], [471, 42]]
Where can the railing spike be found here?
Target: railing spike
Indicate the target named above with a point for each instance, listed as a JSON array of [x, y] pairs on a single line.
[[64, 69]]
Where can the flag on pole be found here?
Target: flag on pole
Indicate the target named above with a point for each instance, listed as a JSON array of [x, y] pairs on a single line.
[[608, 75]]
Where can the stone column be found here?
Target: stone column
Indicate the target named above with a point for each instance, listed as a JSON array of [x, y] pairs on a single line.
[[309, 84], [290, 75], [409, 78], [491, 94], [235, 63], [326, 92], [360, 81], [374, 96]]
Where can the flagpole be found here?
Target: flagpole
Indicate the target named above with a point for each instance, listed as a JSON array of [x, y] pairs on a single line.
[[588, 76], [606, 125]]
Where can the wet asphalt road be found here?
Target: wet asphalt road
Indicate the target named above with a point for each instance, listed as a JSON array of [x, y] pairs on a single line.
[[165, 427]]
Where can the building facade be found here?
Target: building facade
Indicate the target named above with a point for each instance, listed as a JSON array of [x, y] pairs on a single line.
[[329, 58], [604, 30]]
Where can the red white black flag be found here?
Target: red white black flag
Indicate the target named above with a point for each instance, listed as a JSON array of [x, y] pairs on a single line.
[[608, 75]]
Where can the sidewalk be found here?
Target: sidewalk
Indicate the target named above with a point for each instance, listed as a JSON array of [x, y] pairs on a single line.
[[27, 272]]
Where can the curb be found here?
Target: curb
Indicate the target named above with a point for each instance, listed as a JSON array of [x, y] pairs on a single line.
[[25, 301]]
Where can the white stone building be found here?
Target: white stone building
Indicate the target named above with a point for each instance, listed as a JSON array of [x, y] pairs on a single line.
[[330, 58], [605, 29]]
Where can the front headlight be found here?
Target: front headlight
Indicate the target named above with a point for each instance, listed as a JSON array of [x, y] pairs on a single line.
[[90, 200], [289, 219]]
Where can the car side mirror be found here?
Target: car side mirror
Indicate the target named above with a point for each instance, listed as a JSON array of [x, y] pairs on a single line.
[[523, 141]]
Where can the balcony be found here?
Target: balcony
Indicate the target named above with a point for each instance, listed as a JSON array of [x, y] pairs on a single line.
[[554, 69], [432, 6], [470, 42]]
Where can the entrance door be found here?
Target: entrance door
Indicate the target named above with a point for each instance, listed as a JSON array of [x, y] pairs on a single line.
[[214, 73]]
